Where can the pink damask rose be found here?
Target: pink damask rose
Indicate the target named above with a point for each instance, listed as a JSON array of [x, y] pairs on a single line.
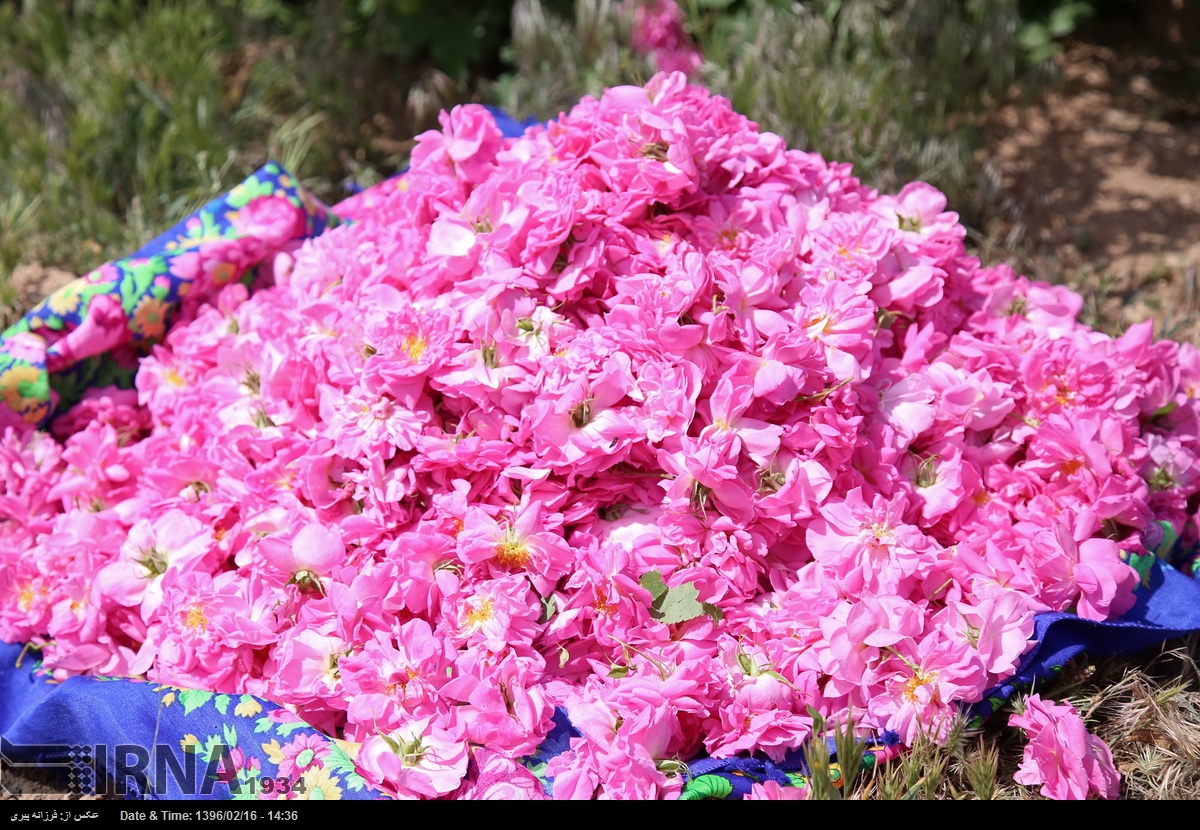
[[413, 761], [773, 791], [1061, 756], [109, 405], [467, 143], [272, 219], [641, 417], [498, 778], [660, 29]]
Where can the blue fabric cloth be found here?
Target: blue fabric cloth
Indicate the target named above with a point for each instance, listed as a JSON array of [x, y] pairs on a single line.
[[509, 126], [1168, 606], [150, 741]]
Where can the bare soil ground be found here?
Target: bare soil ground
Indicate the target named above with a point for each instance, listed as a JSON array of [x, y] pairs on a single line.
[[32, 282], [36, 785], [1103, 177]]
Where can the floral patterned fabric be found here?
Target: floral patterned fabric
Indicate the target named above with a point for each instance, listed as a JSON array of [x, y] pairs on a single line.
[[150, 741], [91, 332]]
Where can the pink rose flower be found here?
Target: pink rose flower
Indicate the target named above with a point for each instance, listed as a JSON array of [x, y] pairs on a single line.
[[1061, 756]]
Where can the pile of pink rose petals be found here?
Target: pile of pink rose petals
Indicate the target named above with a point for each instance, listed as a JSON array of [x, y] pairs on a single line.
[[643, 415]]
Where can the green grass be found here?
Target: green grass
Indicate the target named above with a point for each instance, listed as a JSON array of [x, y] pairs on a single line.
[[119, 117], [895, 88]]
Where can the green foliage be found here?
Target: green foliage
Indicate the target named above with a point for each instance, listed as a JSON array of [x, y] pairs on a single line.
[[823, 775], [119, 117], [829, 781], [559, 59], [455, 36], [458, 38], [114, 131], [1046, 23], [108, 116], [678, 604]]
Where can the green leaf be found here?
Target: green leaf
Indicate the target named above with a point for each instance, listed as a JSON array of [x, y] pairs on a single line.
[[222, 703], [652, 581], [680, 604], [245, 788], [704, 787], [676, 605], [779, 677], [1170, 537], [138, 279], [1033, 36], [713, 611], [1144, 565], [213, 747], [818, 720], [671, 766], [248, 191], [1064, 19]]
